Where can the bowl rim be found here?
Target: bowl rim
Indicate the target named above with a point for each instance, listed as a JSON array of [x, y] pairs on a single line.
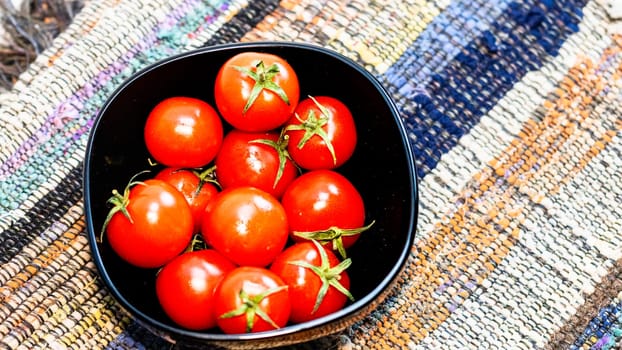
[[349, 310]]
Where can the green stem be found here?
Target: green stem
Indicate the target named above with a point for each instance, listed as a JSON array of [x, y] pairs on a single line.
[[206, 176], [264, 79], [314, 125], [334, 235], [120, 202], [329, 276], [280, 146], [251, 306]]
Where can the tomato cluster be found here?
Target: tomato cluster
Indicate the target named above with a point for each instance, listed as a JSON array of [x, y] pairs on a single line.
[[248, 219]]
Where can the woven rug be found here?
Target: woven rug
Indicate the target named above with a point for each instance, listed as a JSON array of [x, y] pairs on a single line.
[[514, 112]]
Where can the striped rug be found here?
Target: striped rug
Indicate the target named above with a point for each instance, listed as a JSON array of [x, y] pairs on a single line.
[[514, 112]]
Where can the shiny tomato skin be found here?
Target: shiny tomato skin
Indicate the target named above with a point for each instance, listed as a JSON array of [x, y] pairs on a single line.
[[254, 281], [246, 225], [242, 162], [187, 182], [319, 199], [340, 132], [183, 132], [232, 90], [185, 287], [161, 229], [304, 284]]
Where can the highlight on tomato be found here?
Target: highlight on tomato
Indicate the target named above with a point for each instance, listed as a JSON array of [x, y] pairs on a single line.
[[251, 299], [256, 91], [318, 281], [322, 133], [246, 225], [149, 224], [185, 287], [183, 132]]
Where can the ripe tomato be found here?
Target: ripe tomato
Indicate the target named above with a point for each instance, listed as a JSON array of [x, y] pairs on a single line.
[[185, 287], [183, 132], [150, 224], [256, 91], [251, 299], [324, 205], [245, 159], [322, 133], [246, 225], [197, 191], [317, 280]]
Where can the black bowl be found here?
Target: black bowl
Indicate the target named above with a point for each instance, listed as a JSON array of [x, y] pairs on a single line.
[[382, 168]]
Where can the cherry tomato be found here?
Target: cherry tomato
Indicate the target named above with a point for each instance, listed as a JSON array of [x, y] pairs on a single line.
[[324, 205], [185, 287], [183, 132], [256, 91], [156, 227], [251, 299], [195, 189], [317, 280], [245, 224], [255, 159], [322, 133]]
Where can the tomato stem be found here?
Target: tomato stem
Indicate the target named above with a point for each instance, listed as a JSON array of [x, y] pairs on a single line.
[[197, 243], [312, 126], [329, 276], [206, 176], [264, 79], [250, 306], [333, 234], [280, 146], [120, 202]]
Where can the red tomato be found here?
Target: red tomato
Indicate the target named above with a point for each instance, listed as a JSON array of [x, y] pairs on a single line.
[[246, 160], [158, 225], [246, 225], [317, 280], [251, 299], [324, 205], [322, 133], [256, 91], [183, 132], [197, 191], [185, 287]]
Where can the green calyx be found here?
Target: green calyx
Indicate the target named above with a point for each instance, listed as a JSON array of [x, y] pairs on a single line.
[[197, 243], [250, 307], [281, 149], [314, 125], [205, 176], [329, 276], [264, 79], [334, 235], [120, 202]]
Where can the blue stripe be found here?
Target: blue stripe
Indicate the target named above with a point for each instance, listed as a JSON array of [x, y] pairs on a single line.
[[606, 327], [442, 39], [438, 113]]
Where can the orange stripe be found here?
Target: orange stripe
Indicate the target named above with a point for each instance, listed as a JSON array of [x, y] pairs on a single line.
[[43, 260], [355, 33]]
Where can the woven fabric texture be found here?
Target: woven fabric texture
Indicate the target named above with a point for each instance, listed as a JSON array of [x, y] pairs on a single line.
[[514, 113]]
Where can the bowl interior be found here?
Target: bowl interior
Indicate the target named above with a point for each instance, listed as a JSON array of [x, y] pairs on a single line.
[[381, 167]]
